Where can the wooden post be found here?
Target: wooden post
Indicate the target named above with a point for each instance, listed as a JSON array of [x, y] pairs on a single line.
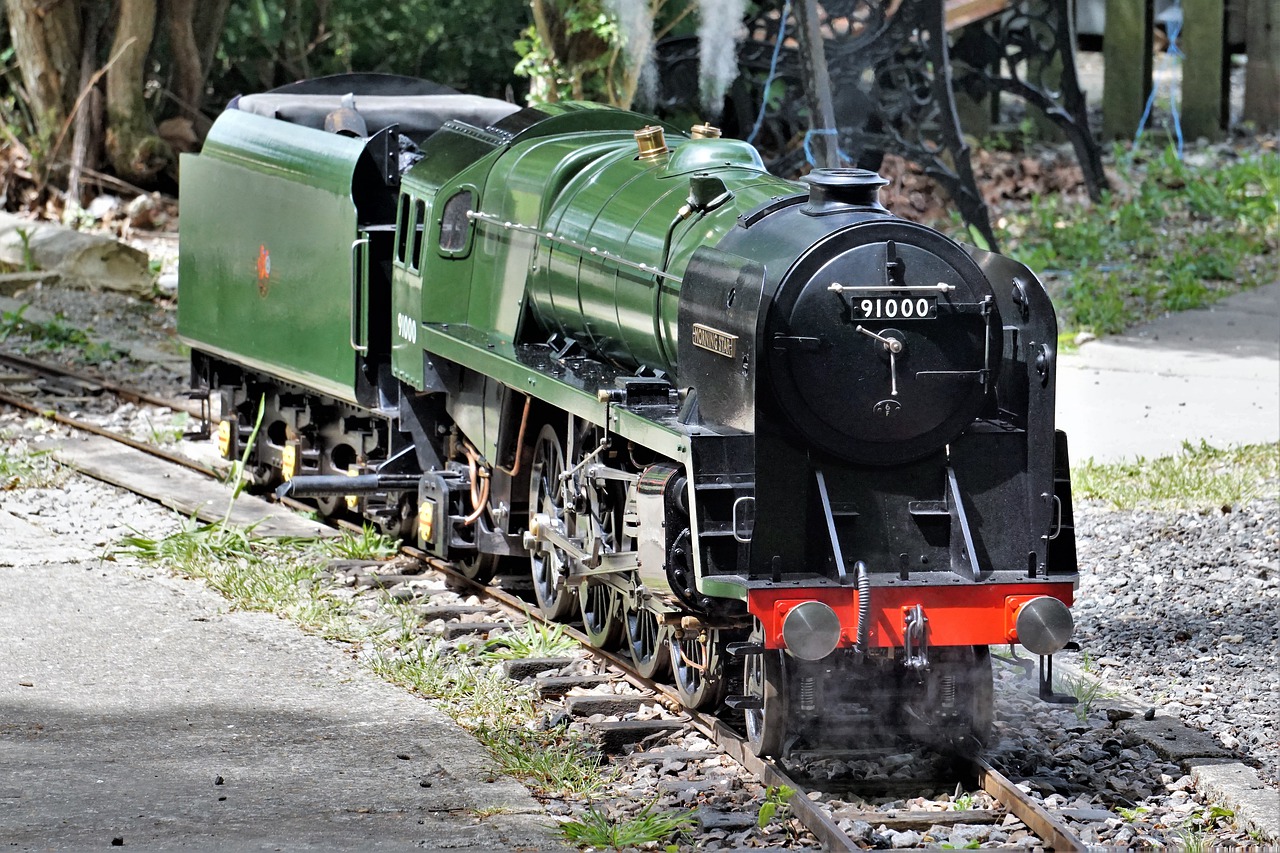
[[813, 64], [1262, 73], [1204, 74], [1126, 53]]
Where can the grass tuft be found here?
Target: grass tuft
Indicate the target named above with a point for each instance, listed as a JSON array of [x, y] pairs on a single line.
[[54, 336], [596, 829], [1173, 236], [536, 641], [1200, 477], [553, 761], [27, 469], [368, 544]]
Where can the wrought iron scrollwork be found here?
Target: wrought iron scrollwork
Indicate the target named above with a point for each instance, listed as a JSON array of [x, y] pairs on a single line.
[[890, 65], [1027, 51]]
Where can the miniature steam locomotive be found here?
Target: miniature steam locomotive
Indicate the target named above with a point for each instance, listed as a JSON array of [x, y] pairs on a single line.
[[793, 450]]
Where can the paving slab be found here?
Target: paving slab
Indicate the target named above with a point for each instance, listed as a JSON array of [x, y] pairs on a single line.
[[1211, 374], [136, 710], [181, 489], [1231, 783]]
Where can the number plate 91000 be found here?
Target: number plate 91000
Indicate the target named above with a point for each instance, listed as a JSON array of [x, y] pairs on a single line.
[[895, 308]]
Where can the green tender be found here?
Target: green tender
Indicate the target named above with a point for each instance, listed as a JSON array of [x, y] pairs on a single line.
[[265, 265]]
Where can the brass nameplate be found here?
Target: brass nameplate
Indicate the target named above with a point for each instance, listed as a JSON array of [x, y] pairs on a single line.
[[714, 340]]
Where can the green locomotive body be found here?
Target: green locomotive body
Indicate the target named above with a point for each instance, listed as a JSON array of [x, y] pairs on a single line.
[[702, 406]]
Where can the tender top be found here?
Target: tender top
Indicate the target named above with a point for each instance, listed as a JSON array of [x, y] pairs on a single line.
[[418, 116]]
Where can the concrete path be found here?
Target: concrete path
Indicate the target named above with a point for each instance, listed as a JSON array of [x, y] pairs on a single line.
[[135, 710], [1211, 374]]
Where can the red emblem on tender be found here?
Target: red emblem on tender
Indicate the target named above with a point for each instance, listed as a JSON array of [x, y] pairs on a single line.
[[264, 269]]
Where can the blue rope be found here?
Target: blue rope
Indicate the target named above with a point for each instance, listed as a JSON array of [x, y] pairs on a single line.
[[1173, 26], [773, 72], [826, 131]]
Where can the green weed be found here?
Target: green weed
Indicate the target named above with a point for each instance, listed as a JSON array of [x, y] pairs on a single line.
[[1173, 237], [777, 804], [598, 830], [29, 469], [368, 544], [1133, 815], [1192, 841], [54, 336], [169, 433], [535, 641], [194, 545], [28, 260], [551, 761], [1087, 689], [426, 670], [1200, 477]]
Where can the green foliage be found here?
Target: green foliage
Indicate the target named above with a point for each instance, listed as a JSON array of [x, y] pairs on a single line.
[[1180, 237], [583, 75], [236, 475], [27, 469], [1087, 690], [1200, 477], [169, 433], [193, 545], [1133, 815], [28, 260], [536, 641], [273, 575], [1191, 840], [598, 830], [777, 804], [53, 336], [483, 700], [462, 43], [368, 544], [554, 761]]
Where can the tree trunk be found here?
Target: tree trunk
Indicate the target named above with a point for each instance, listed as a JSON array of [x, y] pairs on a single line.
[[188, 75], [545, 24], [195, 29], [207, 23], [1262, 74], [86, 140], [46, 42], [136, 152]]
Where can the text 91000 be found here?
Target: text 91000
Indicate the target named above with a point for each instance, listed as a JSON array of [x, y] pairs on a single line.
[[895, 308]]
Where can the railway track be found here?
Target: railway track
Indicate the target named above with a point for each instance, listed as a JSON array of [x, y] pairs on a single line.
[[50, 391]]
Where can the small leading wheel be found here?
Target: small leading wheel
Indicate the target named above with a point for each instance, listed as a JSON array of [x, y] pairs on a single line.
[[697, 664], [647, 640], [555, 598], [765, 680], [602, 615], [478, 567]]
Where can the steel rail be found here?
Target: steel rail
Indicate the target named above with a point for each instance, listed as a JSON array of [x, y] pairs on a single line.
[[1054, 833], [814, 818], [131, 394], [1050, 830], [45, 412]]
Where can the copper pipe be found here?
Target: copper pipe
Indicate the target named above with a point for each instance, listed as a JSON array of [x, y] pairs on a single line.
[[524, 421], [483, 503], [479, 500]]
